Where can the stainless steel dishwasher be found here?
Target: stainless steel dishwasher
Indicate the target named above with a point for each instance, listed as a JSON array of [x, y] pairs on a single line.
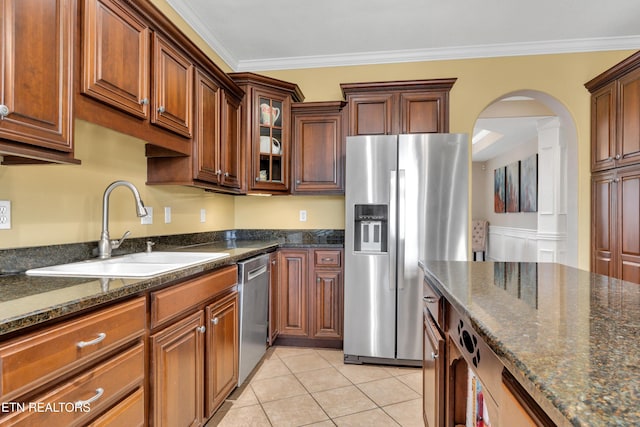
[[253, 284]]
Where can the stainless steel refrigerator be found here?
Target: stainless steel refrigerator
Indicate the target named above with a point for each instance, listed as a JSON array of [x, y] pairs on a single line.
[[406, 200]]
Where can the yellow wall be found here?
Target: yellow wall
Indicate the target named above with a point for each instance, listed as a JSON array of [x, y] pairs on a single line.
[[63, 204]]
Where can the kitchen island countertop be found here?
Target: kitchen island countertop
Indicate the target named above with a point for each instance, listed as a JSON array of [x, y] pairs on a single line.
[[570, 337]]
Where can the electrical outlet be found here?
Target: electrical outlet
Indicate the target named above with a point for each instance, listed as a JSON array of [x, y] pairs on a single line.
[[303, 216], [167, 214], [203, 215], [148, 218], [5, 214]]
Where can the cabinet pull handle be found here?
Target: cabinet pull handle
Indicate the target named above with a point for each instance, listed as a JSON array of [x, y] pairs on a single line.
[[100, 338], [4, 111], [144, 101], [202, 329], [215, 320], [98, 395], [161, 109], [429, 299], [327, 259]]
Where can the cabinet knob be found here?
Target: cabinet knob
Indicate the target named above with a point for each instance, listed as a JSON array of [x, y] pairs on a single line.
[[618, 156], [434, 355], [318, 280], [429, 299], [257, 178], [609, 158], [4, 111], [226, 174], [273, 262], [297, 181], [218, 172], [202, 329], [215, 320], [616, 180], [161, 109], [144, 101]]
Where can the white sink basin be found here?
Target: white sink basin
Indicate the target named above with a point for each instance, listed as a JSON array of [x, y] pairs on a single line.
[[134, 265]]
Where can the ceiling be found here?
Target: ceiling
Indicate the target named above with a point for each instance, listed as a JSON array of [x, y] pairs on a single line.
[[252, 35]]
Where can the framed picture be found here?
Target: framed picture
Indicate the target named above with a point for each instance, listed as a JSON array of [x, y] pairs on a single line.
[[529, 184], [499, 190], [513, 187]]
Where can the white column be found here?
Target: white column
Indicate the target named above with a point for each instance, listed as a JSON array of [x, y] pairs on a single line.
[[552, 192]]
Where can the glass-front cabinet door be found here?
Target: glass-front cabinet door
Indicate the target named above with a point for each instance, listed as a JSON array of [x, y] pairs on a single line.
[[271, 143]]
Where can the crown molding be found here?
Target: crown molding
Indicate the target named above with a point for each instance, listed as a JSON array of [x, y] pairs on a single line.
[[440, 54]]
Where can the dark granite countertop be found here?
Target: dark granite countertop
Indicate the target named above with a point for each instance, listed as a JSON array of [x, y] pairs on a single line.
[[31, 300], [570, 337]]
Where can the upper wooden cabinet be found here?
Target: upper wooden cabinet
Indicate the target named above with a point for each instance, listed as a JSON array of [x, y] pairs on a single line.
[[116, 57], [386, 108], [217, 157], [136, 73], [615, 115], [36, 123], [319, 133], [172, 103], [267, 130]]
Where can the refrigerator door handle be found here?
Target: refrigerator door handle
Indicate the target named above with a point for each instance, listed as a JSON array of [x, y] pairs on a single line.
[[393, 212], [401, 226]]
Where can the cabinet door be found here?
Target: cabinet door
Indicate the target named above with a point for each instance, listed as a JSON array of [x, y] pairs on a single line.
[[35, 74], [603, 234], [222, 351], [116, 57], [326, 304], [172, 102], [274, 311], [270, 145], [629, 119], [177, 373], [421, 113], [207, 123], [231, 150], [628, 220], [603, 127], [318, 153], [371, 114], [433, 374], [292, 292]]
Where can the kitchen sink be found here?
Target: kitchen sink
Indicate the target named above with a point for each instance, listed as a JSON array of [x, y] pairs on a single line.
[[143, 264]]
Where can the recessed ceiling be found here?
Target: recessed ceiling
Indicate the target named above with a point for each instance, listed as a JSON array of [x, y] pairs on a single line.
[[251, 35]]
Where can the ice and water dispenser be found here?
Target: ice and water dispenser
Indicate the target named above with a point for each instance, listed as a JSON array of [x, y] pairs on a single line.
[[370, 228]]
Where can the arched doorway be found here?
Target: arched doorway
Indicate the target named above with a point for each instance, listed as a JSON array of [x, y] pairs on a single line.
[[509, 131]]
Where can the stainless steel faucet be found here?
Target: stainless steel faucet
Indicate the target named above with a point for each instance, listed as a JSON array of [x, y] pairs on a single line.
[[105, 245]]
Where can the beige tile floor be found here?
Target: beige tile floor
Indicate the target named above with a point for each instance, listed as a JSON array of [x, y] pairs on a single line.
[[313, 387]]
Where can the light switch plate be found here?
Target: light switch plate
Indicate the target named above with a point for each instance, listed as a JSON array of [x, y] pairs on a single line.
[[167, 214]]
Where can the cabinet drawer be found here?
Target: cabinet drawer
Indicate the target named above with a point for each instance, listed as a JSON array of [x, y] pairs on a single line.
[[28, 362], [128, 413], [80, 398], [327, 258], [168, 303]]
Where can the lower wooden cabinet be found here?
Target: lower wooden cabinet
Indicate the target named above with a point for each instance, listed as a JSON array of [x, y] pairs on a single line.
[[177, 364], [274, 308], [194, 359], [311, 296], [222, 351]]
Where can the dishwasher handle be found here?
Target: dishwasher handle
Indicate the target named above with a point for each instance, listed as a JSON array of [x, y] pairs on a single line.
[[257, 272]]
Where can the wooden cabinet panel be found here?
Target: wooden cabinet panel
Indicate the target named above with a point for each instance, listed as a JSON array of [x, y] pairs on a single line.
[[274, 307], [327, 258], [93, 392], [629, 120], [371, 114], [116, 57], [222, 351], [602, 219], [128, 413], [177, 366], [318, 148], [628, 221], [421, 113], [327, 304], [603, 127], [231, 147], [172, 102], [206, 154], [30, 361], [36, 80], [171, 302], [293, 266]]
